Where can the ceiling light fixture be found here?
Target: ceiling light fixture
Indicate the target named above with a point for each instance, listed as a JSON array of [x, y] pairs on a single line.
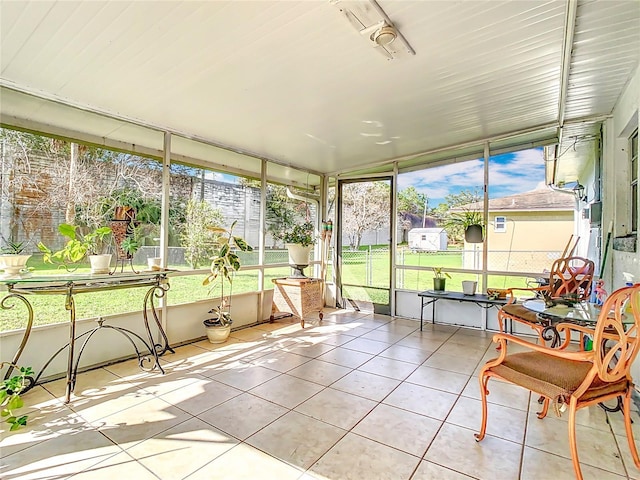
[[385, 35]]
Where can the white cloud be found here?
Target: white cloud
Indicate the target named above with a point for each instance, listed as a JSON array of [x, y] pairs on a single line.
[[508, 174]]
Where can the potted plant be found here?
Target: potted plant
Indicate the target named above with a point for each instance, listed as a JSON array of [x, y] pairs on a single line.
[[471, 222], [299, 241], [12, 258], [224, 264], [439, 279], [80, 246]]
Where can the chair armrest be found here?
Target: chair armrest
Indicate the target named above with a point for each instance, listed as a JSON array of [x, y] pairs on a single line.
[[502, 338]]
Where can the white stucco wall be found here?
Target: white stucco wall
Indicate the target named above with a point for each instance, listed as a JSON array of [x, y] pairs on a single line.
[[183, 324], [615, 200]]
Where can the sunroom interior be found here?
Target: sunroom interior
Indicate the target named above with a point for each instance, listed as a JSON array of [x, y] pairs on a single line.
[[309, 95]]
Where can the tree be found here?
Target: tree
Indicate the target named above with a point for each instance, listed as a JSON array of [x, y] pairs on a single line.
[[411, 204], [411, 201], [365, 206], [197, 238]]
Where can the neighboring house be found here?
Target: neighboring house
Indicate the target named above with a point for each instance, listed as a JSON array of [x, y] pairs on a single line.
[[525, 232]]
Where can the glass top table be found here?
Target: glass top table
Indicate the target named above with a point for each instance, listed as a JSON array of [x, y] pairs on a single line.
[[148, 350], [581, 312]]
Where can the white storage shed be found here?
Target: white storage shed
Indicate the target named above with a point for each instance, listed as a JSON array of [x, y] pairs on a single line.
[[427, 239]]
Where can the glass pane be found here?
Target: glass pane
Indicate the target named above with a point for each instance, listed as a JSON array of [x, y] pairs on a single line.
[[201, 198], [435, 205], [537, 222], [189, 288], [365, 267]]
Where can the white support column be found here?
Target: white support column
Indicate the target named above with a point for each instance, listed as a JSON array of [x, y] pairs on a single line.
[[164, 218], [394, 240], [485, 254], [166, 186], [261, 237]]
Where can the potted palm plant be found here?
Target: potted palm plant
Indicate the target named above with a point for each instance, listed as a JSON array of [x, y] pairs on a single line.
[[299, 241], [224, 264]]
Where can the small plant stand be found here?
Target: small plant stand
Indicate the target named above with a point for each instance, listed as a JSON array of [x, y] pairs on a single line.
[[298, 297]]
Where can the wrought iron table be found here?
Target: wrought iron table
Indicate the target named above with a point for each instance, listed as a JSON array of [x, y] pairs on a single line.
[[73, 284], [430, 297]]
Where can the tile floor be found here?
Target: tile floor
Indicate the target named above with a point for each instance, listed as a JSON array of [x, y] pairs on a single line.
[[359, 396]]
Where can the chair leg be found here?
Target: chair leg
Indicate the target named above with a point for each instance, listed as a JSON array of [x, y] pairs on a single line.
[[483, 396], [545, 408], [573, 406], [626, 409]]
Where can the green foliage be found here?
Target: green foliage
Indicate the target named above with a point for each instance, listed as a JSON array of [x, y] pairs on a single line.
[[13, 248], [284, 213], [130, 245], [223, 264], [438, 273], [411, 201], [10, 399], [302, 233], [78, 246], [459, 211], [197, 238]]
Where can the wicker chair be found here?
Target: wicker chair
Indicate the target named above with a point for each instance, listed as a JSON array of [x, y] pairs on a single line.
[[568, 276], [576, 378]]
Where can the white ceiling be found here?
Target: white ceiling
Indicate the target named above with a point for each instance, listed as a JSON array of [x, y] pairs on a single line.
[[295, 82]]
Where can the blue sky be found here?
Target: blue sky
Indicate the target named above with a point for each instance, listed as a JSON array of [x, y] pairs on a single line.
[[508, 174]]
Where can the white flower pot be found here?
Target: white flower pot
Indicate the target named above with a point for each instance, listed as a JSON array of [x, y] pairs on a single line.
[[100, 263], [469, 287], [298, 255], [217, 334], [13, 264], [298, 258], [154, 263]]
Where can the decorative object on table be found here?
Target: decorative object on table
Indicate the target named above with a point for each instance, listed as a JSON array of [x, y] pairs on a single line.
[[80, 246], [13, 260], [299, 241], [126, 236], [497, 293], [439, 279], [10, 390], [600, 292], [469, 287], [154, 263], [573, 380], [224, 264]]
